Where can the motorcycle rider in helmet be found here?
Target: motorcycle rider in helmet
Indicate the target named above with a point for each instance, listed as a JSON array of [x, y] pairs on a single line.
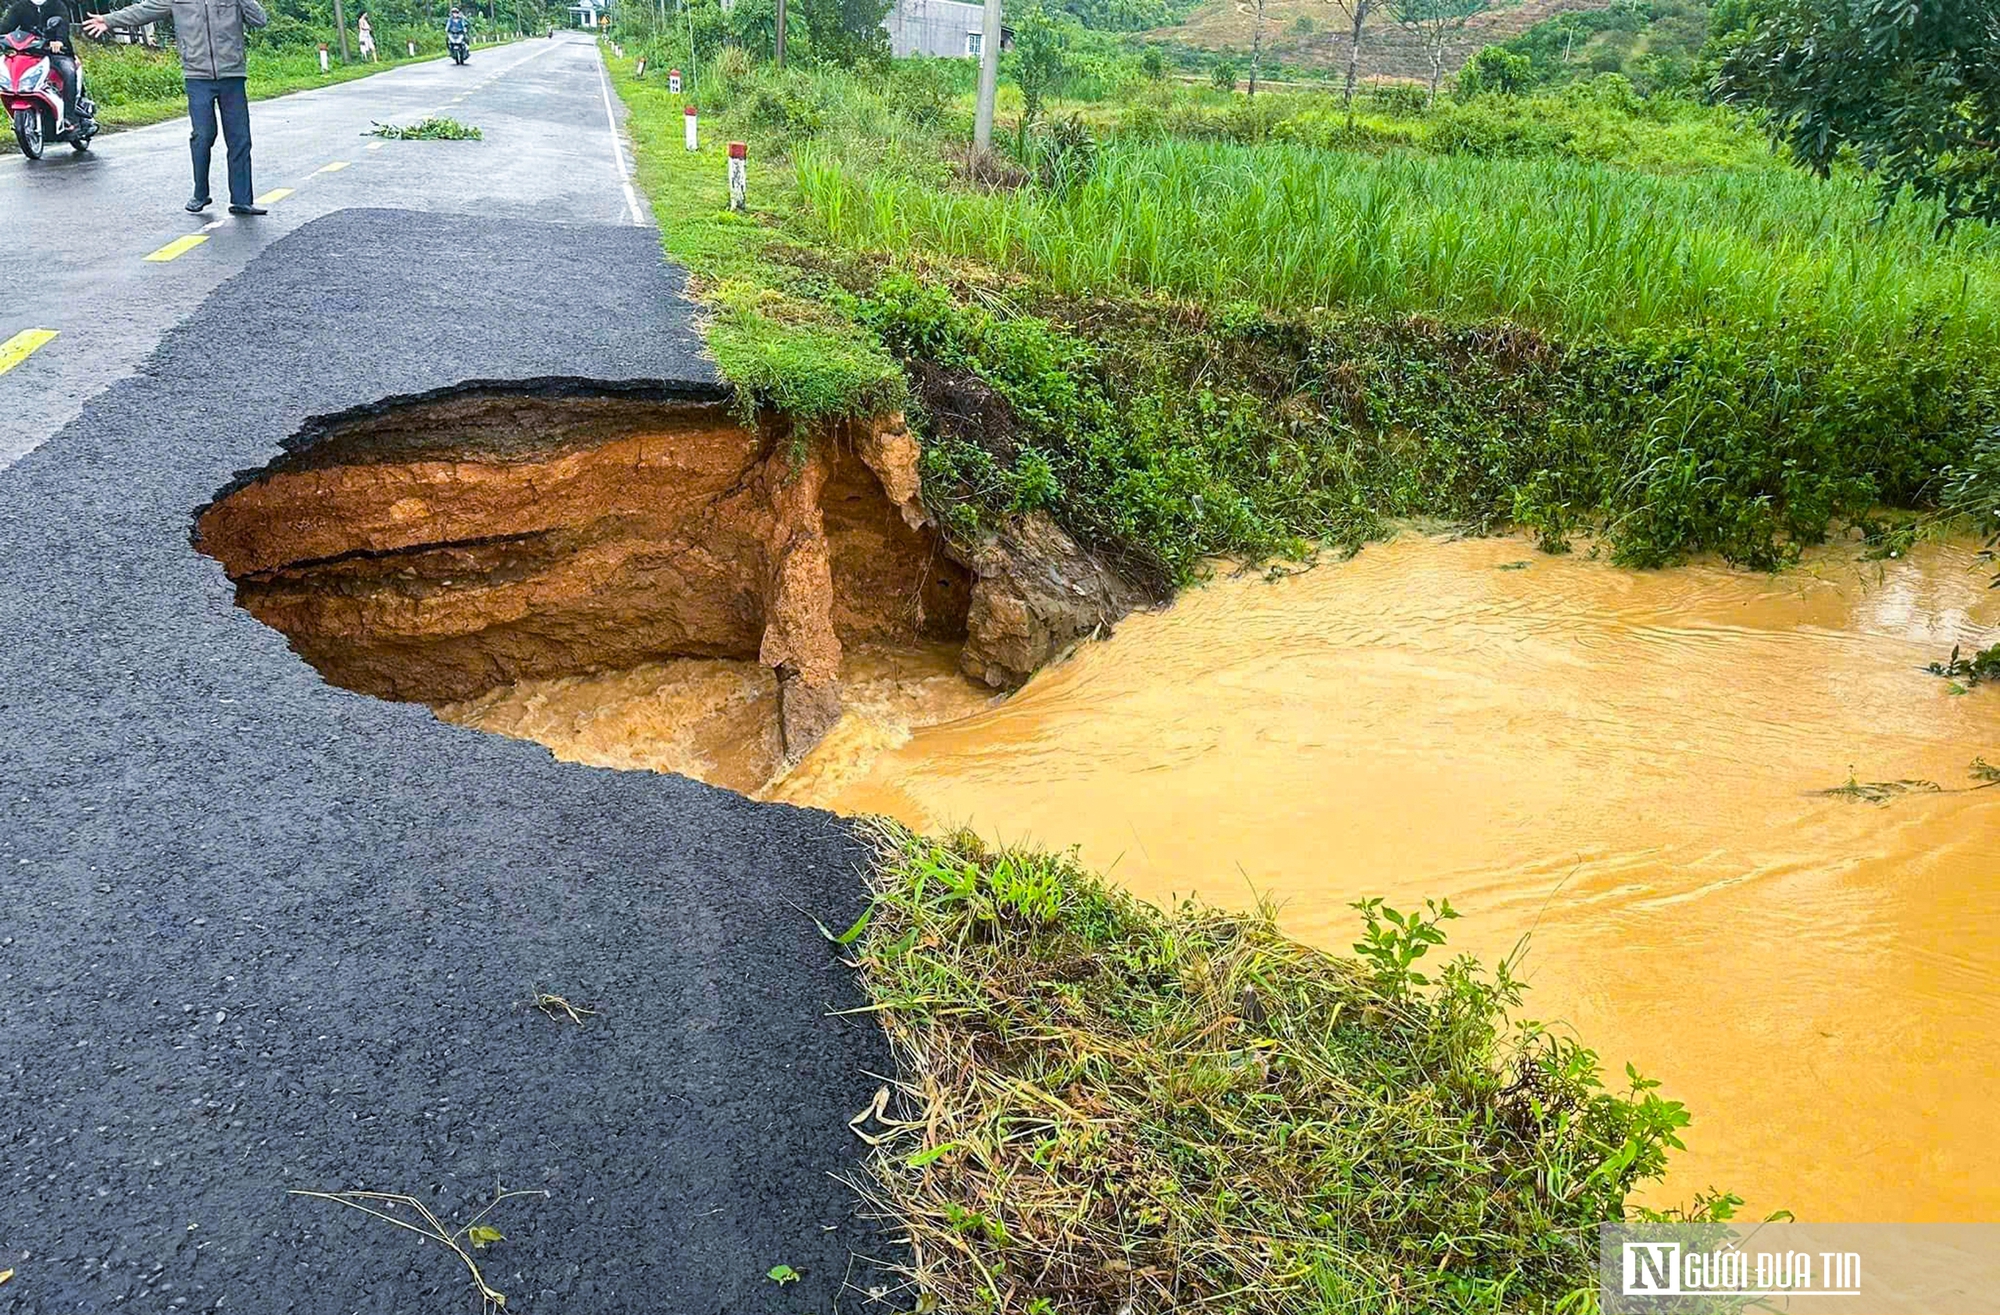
[[49, 20], [456, 28]]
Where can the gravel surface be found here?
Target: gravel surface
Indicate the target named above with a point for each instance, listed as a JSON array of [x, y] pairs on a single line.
[[261, 934]]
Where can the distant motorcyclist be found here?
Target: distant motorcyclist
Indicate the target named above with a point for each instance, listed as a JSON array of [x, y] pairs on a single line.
[[49, 20], [458, 36]]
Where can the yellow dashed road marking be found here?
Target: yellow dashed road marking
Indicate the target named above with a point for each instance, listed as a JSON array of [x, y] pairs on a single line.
[[18, 349], [333, 168], [180, 246], [274, 196]]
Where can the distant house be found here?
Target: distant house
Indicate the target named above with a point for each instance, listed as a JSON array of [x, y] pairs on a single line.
[[947, 29]]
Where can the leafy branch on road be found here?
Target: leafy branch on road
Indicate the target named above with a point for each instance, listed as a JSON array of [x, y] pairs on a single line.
[[433, 129], [462, 1241]]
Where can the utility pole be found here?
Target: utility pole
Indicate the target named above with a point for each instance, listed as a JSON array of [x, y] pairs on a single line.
[[340, 21], [989, 77], [781, 33]]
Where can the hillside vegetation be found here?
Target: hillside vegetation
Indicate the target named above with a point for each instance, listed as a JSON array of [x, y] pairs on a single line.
[[1312, 34], [1208, 325]]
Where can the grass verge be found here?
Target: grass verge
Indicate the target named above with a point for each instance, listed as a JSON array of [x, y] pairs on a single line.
[[1189, 347], [1104, 1106], [769, 323]]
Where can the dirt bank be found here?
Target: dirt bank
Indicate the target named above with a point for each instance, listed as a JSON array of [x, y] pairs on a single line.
[[437, 549]]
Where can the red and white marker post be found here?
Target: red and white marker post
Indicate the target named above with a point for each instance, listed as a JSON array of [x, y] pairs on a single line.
[[674, 81], [689, 117], [739, 176], [322, 59]]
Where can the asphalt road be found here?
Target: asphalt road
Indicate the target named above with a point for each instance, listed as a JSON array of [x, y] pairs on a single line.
[[78, 228], [259, 934]]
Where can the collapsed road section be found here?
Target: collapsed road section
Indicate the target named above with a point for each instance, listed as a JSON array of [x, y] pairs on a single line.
[[432, 549]]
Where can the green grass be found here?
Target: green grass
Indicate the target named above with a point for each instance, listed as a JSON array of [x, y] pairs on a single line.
[[768, 323], [1289, 227], [1107, 1106]]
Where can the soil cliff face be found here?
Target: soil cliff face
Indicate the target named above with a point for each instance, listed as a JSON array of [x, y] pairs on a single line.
[[438, 549]]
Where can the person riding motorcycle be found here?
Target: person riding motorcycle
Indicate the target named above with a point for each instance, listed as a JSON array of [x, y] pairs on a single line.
[[49, 20], [456, 28]]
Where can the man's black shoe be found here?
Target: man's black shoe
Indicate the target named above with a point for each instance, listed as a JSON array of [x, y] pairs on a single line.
[[197, 204], [248, 210]]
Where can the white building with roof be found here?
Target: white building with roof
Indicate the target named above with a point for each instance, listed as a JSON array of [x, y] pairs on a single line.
[[948, 29]]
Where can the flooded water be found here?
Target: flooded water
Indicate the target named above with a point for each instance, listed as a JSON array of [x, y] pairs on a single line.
[[715, 719], [1623, 764]]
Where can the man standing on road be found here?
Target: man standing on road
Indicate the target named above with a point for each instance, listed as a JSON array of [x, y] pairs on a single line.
[[214, 66]]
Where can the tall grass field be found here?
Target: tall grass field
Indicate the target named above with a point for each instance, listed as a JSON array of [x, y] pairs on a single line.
[[1552, 244]]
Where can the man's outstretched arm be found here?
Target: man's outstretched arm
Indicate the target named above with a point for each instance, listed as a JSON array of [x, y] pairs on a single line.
[[146, 11]]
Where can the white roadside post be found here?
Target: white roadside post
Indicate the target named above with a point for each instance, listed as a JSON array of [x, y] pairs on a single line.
[[989, 78], [690, 118], [322, 59], [739, 176], [674, 81], [413, 50]]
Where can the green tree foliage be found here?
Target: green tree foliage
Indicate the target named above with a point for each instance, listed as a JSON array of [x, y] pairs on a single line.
[[1495, 70], [1223, 75], [1125, 15], [1912, 87], [1658, 45], [1041, 61], [845, 32]]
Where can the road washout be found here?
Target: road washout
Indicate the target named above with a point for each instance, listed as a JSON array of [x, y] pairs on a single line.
[[1628, 765]]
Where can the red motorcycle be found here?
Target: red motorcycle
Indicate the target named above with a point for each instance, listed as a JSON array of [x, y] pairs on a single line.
[[31, 91]]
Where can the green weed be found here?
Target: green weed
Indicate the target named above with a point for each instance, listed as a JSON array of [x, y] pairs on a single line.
[[1109, 1106], [433, 129]]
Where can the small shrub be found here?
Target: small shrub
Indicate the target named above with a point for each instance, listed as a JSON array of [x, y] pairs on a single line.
[[1066, 155], [920, 90], [791, 105], [1223, 75], [1497, 71], [1403, 100]]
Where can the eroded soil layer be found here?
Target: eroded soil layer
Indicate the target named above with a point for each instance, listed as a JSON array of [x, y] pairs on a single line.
[[438, 549]]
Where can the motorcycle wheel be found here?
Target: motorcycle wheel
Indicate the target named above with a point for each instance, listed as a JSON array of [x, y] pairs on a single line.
[[80, 144], [28, 132]]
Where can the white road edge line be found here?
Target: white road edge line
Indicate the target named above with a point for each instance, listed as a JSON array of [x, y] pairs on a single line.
[[617, 146]]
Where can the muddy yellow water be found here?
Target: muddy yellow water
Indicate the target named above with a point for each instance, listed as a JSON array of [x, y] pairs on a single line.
[[1622, 765]]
